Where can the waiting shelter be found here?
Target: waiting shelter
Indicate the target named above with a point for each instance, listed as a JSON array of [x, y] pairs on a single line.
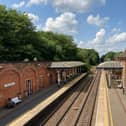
[[114, 73], [66, 70]]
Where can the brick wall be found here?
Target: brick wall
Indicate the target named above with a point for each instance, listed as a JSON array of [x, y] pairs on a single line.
[[25, 79], [124, 73], [9, 84], [13, 79]]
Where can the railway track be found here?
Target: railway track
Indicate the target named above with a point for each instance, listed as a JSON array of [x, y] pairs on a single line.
[[86, 115], [76, 109], [58, 116]]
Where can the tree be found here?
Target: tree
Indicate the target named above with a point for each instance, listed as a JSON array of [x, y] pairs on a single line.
[[19, 41], [89, 56], [61, 46], [17, 36], [109, 56]]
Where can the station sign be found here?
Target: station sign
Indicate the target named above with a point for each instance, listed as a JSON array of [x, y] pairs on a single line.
[[9, 84]]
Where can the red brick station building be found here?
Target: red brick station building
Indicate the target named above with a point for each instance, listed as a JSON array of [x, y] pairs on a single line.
[[24, 79]]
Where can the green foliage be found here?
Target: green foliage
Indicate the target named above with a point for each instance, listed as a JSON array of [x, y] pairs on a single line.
[[19, 41], [110, 56], [16, 32], [87, 67], [89, 56], [61, 46]]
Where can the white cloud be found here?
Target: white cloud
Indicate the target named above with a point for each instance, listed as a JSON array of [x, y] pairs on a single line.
[[103, 44], [99, 36], [34, 18], [36, 2], [18, 5], [99, 21], [121, 37], [66, 23], [76, 5], [97, 43], [102, 48], [70, 5]]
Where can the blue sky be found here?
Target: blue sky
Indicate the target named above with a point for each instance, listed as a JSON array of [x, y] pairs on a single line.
[[98, 24]]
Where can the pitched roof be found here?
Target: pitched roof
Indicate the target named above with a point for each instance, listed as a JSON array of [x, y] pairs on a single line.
[[65, 64], [110, 65]]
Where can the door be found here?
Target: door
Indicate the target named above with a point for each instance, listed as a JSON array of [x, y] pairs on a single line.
[[28, 87], [41, 82]]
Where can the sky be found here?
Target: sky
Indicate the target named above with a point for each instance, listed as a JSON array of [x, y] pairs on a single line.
[[97, 24]]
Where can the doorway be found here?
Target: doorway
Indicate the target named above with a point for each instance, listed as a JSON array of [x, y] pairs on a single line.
[[28, 87], [41, 82]]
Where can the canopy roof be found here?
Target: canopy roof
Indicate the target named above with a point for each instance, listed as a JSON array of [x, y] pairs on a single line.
[[65, 64], [110, 65]]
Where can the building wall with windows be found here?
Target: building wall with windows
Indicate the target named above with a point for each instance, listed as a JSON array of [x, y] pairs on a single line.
[[122, 59]]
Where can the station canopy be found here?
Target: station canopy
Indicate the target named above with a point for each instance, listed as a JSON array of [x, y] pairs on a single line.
[[65, 64], [110, 65]]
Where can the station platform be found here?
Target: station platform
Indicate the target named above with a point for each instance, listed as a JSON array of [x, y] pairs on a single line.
[[23, 118], [103, 112], [118, 105], [7, 115]]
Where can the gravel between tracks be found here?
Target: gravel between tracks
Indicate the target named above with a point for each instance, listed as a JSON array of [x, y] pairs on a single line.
[[78, 107]]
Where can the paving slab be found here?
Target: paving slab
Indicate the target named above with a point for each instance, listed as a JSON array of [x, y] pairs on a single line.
[[102, 115], [118, 106]]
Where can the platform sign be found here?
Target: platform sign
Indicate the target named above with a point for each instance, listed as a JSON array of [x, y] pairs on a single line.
[[9, 84]]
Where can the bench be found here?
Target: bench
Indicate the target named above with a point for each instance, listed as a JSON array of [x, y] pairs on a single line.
[[13, 101], [16, 100], [119, 86]]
